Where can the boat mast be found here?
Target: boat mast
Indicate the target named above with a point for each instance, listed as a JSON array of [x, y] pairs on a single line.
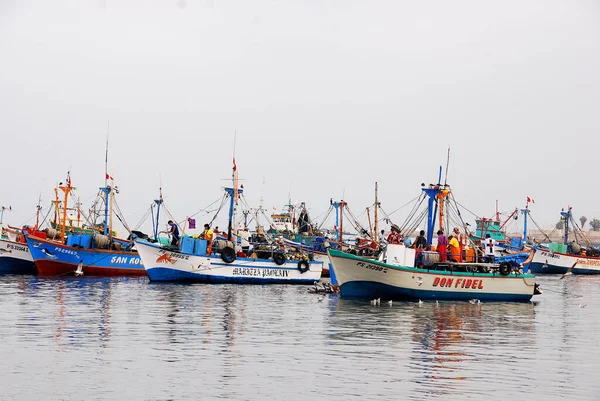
[[376, 235], [106, 191], [567, 216], [66, 189], [233, 192], [37, 214], [370, 225], [341, 236], [158, 203], [339, 220], [525, 215], [442, 195], [110, 213], [2, 209], [497, 212], [431, 191]]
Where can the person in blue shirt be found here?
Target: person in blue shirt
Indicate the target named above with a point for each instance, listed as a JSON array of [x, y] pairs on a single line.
[[174, 231]]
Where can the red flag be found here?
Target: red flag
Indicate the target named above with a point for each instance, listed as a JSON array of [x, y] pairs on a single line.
[[530, 200], [108, 177]]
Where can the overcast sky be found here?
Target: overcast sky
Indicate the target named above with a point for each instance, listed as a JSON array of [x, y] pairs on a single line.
[[326, 97]]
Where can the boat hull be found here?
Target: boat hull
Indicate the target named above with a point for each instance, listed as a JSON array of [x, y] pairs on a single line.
[[549, 262], [323, 258], [15, 258], [365, 278], [52, 259], [167, 265]]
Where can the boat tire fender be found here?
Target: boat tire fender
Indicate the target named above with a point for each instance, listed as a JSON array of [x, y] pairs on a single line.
[[228, 255], [279, 258], [303, 266], [505, 268]]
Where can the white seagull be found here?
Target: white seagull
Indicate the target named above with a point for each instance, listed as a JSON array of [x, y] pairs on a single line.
[[79, 271]]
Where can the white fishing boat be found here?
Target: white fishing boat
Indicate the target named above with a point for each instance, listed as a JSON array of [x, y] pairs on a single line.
[[15, 257], [166, 264], [401, 272], [397, 278], [222, 261], [568, 256]]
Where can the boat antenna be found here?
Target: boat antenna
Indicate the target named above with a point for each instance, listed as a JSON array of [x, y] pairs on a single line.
[[376, 217], [447, 164], [37, 213], [106, 155], [234, 192]]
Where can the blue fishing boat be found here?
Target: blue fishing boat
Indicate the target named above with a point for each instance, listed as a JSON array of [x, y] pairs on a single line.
[[88, 252]]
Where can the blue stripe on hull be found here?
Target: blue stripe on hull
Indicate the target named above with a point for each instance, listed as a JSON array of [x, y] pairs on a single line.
[[10, 265], [538, 268], [164, 274], [370, 290]]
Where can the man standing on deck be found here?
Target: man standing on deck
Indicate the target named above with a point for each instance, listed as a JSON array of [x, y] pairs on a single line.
[[488, 248], [421, 241], [174, 231], [442, 245], [462, 241]]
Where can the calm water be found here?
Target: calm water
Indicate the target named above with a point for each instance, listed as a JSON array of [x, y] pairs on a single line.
[[89, 338]]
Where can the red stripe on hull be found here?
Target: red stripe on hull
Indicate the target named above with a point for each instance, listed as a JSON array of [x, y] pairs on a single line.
[[54, 268]]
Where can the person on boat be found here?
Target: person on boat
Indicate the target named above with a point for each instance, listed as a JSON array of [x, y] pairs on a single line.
[[207, 234], [462, 241], [244, 239], [454, 249], [421, 241], [488, 248], [174, 232], [394, 236], [442, 245], [216, 231]]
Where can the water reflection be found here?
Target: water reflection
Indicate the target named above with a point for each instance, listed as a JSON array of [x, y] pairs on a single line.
[[274, 342]]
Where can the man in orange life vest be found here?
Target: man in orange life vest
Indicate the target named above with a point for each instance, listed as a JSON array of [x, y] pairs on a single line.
[[454, 249], [462, 241]]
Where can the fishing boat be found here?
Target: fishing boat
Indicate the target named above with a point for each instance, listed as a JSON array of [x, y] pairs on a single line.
[[568, 256], [397, 278], [15, 257], [197, 260], [404, 273], [88, 252], [317, 251]]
